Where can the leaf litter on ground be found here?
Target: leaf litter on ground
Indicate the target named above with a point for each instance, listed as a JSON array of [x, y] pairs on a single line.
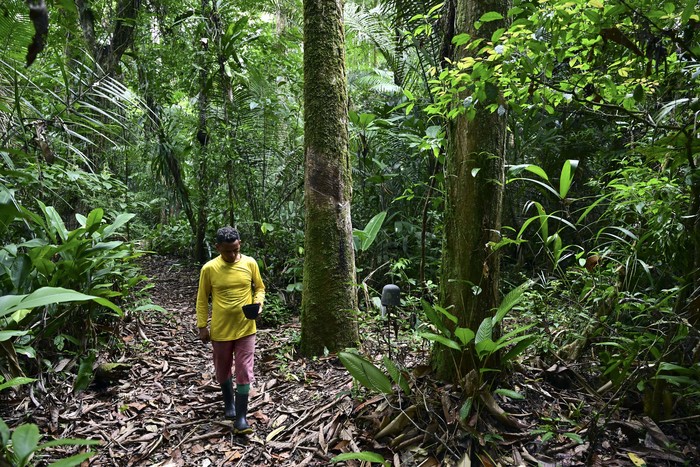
[[167, 410]]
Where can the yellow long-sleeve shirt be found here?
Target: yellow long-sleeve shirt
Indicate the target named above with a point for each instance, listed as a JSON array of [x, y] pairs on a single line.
[[230, 285]]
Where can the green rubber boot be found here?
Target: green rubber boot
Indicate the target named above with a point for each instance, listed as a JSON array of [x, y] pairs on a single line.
[[227, 391]]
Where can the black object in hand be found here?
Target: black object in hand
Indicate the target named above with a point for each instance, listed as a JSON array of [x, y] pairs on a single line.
[[251, 311]]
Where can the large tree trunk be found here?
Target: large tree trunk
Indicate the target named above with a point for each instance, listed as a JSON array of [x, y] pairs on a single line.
[[329, 297], [474, 189]]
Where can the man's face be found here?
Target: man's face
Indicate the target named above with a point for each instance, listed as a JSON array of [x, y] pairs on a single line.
[[229, 250]]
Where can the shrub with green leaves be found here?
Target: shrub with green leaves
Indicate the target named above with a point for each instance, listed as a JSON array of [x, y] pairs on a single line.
[[75, 276], [18, 447]]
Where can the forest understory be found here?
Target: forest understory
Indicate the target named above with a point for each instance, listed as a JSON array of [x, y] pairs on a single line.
[[165, 408]]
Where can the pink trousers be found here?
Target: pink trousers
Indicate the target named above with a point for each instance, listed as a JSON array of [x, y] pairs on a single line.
[[242, 352]]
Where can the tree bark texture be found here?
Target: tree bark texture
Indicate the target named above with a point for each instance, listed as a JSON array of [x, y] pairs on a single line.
[[203, 139], [109, 54], [474, 173], [329, 300]]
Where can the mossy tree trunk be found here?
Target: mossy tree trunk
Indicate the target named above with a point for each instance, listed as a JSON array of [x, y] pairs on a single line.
[[474, 172], [329, 301]]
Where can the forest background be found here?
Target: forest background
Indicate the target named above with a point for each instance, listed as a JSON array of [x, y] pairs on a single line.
[[142, 126]]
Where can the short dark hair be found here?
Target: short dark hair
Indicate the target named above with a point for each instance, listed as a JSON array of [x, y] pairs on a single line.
[[227, 235]]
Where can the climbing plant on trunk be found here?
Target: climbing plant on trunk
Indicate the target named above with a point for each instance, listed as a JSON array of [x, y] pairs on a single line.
[[474, 170]]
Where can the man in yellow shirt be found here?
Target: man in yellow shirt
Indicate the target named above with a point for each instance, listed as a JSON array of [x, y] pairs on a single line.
[[231, 280]]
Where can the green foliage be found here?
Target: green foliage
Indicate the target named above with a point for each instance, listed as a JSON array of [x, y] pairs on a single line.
[[483, 339], [47, 296], [368, 456], [365, 372], [174, 238], [14, 382], [365, 237], [85, 373], [18, 446], [65, 270], [275, 312], [646, 224]]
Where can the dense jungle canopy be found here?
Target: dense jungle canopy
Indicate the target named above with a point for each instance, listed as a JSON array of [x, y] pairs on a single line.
[[526, 173]]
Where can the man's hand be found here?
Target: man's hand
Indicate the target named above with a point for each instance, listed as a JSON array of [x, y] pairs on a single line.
[[203, 334]]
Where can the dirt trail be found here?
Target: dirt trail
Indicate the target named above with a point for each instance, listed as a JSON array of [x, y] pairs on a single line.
[[166, 410]]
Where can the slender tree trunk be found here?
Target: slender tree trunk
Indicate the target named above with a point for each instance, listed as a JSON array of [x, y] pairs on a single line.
[[203, 138], [329, 298], [121, 32], [474, 189], [227, 101]]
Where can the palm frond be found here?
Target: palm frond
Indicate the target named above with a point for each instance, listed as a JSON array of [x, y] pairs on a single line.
[[77, 103], [16, 30]]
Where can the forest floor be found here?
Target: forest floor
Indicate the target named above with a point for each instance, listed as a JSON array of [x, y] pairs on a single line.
[[166, 410]]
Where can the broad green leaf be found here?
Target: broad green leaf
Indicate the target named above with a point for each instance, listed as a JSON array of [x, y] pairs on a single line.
[[54, 222], [465, 335], [16, 382], [461, 39], [485, 348], [490, 16], [678, 380], [46, 296], [117, 224], [541, 216], [7, 335], [665, 366], [509, 393], [567, 177], [440, 339], [25, 439], [688, 11], [362, 456], [535, 169], [365, 372], [372, 229], [396, 375], [485, 331], [507, 337], [85, 373], [574, 437], [518, 348], [4, 433], [501, 345], [466, 408], [82, 220], [445, 313], [433, 317], [71, 461], [510, 300], [94, 220], [105, 246], [540, 183]]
